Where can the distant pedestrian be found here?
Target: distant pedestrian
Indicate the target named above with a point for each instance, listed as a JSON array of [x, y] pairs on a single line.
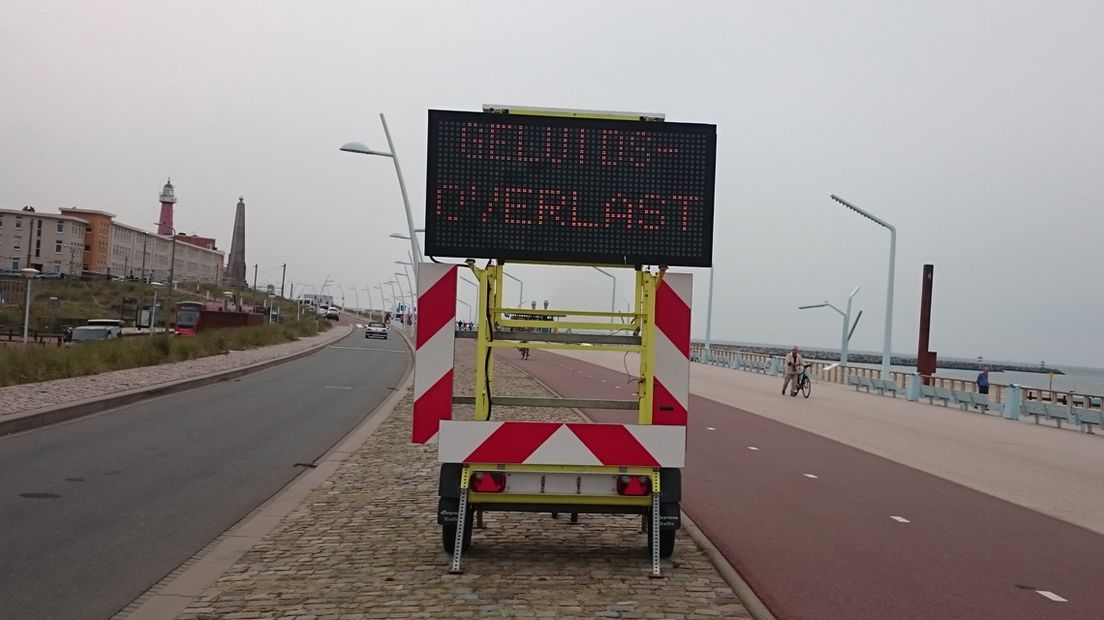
[[983, 380], [791, 365]]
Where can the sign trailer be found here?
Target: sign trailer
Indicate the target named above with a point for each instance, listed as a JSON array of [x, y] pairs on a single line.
[[576, 188]]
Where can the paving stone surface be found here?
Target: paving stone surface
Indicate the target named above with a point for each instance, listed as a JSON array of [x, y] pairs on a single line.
[[366, 545], [16, 399]]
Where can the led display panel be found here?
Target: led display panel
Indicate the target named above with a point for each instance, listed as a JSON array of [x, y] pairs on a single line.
[[569, 190]]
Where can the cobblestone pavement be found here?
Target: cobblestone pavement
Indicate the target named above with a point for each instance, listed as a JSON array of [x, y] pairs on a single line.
[[366, 545], [29, 396]]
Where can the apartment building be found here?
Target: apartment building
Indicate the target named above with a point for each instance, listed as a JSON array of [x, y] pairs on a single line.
[[48, 242], [112, 248]]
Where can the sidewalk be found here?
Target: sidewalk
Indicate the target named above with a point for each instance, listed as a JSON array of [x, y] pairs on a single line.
[[365, 544], [1055, 472], [16, 399]]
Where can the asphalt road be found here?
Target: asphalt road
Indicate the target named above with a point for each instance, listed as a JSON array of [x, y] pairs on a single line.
[[823, 530], [95, 511]]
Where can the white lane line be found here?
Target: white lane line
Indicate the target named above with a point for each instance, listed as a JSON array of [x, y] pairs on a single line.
[[899, 519], [369, 349], [813, 476], [617, 387], [1052, 596], [338, 387], [710, 428], [752, 448], [603, 380], [360, 326]]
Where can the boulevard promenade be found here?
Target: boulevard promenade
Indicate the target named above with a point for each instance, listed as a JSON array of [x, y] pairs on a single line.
[[854, 505]]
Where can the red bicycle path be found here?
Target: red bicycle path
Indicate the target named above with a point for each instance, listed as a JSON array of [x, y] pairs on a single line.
[[815, 526]]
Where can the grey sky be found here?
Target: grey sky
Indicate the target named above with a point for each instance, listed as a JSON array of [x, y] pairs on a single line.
[[975, 128]]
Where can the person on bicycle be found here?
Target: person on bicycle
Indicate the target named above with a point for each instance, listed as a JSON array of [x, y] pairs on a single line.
[[792, 365]]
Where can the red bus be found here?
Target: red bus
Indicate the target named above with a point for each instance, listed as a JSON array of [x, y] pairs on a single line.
[[193, 316]]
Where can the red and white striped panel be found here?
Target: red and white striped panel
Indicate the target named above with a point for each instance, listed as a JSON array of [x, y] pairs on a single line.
[[435, 346], [561, 443], [671, 393]]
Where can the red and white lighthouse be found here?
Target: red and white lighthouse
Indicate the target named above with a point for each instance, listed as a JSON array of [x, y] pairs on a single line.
[[168, 199]]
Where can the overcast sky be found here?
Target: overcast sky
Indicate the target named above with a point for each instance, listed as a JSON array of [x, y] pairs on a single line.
[[977, 128]]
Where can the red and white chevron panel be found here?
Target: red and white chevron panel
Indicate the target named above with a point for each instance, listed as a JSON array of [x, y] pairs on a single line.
[[435, 346], [561, 443], [671, 394]]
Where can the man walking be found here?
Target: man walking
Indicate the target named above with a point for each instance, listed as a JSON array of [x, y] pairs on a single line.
[[983, 380], [791, 365]]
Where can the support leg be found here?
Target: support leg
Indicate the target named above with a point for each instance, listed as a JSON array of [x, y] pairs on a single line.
[[656, 573], [461, 519]]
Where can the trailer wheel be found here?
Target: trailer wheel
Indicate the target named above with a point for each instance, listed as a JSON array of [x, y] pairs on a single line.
[[448, 534]]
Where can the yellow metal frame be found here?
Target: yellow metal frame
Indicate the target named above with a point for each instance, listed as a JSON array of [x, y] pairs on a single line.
[[492, 317]]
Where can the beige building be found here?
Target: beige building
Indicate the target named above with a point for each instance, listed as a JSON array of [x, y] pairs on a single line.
[[138, 253], [49, 242]]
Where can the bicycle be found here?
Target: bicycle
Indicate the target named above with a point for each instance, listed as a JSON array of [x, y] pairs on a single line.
[[802, 383]]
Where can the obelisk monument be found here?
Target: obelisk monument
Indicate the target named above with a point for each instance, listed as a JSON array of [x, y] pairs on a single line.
[[235, 268]]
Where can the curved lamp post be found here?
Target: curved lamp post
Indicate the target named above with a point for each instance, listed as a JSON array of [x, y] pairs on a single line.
[[886, 342], [613, 296], [846, 337], [360, 148]]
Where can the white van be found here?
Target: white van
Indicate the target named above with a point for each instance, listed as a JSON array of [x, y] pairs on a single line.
[[114, 326]]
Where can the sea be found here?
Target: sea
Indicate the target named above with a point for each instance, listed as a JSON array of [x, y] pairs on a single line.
[[1078, 379]]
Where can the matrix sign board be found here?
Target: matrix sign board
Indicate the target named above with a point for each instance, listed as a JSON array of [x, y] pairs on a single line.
[[569, 190]]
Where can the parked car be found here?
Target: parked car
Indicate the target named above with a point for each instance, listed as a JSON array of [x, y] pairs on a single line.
[[53, 275], [113, 325], [375, 330], [90, 333]]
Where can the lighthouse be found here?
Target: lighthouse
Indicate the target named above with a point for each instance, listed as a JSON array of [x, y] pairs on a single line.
[[168, 199]]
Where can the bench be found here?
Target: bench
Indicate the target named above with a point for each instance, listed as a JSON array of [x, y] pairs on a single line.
[[1087, 417], [886, 385], [962, 399], [860, 382], [1034, 409], [931, 393], [982, 402], [1058, 413]]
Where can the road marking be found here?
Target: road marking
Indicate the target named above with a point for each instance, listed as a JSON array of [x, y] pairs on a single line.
[[617, 387], [710, 428], [338, 387], [752, 448], [899, 519], [359, 326], [603, 380], [1052, 596], [368, 349], [813, 476]]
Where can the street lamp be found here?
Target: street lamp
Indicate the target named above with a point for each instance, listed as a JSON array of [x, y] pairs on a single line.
[[370, 304], [613, 296], [357, 147], [846, 337], [461, 301], [29, 274], [153, 311], [886, 342], [709, 320], [356, 296], [521, 291]]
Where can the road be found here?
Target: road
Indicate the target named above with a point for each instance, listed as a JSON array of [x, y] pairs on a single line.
[[824, 530], [97, 510]]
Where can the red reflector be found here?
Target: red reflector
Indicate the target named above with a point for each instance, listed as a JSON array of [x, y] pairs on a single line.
[[634, 485], [488, 482]]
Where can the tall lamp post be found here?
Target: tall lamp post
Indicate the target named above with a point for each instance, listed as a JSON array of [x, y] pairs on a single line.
[[153, 310], [521, 291], [28, 274], [461, 301], [886, 342], [357, 147], [613, 295], [370, 304], [709, 320], [409, 293], [846, 337]]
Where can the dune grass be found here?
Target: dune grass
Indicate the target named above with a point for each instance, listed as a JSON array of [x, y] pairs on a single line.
[[44, 363]]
